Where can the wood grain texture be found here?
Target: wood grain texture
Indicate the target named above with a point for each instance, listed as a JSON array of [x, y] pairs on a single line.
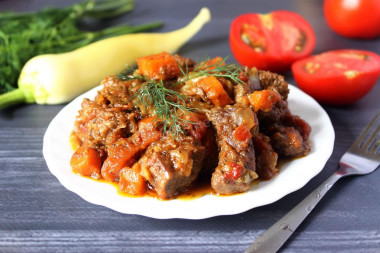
[[37, 214], [176, 241]]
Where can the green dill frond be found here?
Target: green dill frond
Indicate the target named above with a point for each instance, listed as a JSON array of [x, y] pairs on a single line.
[[129, 74], [217, 69], [168, 105]]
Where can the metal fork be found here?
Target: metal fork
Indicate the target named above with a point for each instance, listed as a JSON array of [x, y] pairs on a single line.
[[361, 158]]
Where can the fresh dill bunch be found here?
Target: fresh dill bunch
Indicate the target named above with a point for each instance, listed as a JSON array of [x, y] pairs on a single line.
[[55, 30], [168, 105], [219, 68]]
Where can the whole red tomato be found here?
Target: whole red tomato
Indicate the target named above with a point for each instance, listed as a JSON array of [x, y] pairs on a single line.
[[271, 41], [353, 18]]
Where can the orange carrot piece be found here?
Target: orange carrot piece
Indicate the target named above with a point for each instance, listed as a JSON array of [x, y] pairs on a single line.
[[131, 182], [264, 100], [86, 162], [214, 91], [159, 66], [123, 153]]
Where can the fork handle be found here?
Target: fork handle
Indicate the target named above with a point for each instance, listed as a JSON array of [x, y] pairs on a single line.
[[278, 233]]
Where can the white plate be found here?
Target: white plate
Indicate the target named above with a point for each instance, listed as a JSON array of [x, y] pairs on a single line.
[[294, 175]]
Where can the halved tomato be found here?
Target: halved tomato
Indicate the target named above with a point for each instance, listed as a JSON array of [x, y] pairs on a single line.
[[271, 41], [338, 77]]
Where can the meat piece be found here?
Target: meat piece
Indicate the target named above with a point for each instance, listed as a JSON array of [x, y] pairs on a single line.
[[227, 120], [211, 152], [290, 136], [235, 171], [172, 166], [185, 64], [287, 141], [96, 126], [269, 118], [125, 151], [263, 80], [273, 81], [116, 92], [241, 94], [236, 167], [295, 121], [266, 157]]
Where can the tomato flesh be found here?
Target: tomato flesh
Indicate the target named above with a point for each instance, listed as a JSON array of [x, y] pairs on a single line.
[[339, 77], [242, 134], [234, 172], [354, 18], [254, 37], [271, 41]]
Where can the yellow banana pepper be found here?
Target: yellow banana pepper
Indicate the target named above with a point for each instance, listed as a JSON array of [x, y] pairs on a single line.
[[58, 78]]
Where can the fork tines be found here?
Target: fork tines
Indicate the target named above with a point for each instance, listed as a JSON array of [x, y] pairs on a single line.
[[369, 140]]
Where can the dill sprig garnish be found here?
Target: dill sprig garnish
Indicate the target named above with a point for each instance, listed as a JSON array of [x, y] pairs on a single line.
[[129, 74], [217, 69], [168, 105]]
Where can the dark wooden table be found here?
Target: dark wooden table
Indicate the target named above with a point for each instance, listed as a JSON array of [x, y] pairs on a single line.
[[37, 214]]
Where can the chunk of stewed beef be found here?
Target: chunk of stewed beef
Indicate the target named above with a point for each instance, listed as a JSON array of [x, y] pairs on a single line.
[[186, 64], [262, 80], [171, 166], [290, 136], [116, 92], [266, 157], [97, 125], [234, 126], [259, 80]]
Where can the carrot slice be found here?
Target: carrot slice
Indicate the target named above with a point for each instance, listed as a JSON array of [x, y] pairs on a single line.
[[214, 91], [131, 182], [86, 161], [264, 100], [161, 66], [121, 154]]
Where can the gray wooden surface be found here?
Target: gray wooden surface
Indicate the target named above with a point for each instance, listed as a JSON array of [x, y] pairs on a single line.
[[37, 214]]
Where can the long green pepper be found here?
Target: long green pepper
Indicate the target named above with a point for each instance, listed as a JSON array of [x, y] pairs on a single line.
[[54, 30]]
